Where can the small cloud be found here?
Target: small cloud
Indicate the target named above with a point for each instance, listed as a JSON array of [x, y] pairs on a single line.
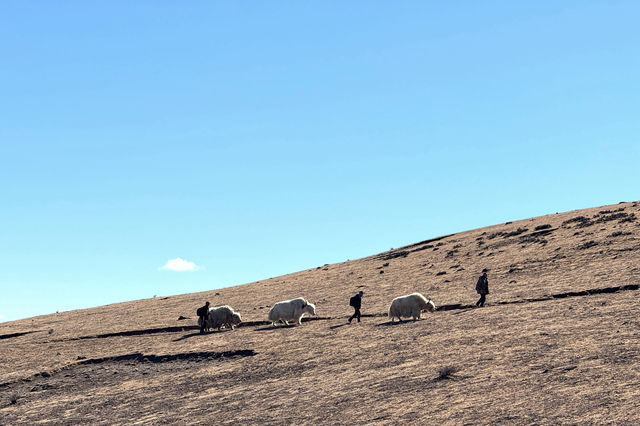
[[180, 265], [2, 318]]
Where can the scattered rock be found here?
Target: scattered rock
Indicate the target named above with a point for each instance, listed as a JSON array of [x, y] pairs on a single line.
[[181, 317]]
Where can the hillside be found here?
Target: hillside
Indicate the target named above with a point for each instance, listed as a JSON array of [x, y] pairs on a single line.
[[557, 342]]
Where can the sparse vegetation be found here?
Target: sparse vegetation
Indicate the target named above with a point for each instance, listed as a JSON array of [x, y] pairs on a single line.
[[614, 216], [447, 372], [516, 232], [628, 218], [451, 253], [542, 227], [582, 221], [618, 234], [587, 245]]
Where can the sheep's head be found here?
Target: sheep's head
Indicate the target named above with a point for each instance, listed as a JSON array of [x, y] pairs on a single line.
[[236, 318], [309, 308], [431, 306]]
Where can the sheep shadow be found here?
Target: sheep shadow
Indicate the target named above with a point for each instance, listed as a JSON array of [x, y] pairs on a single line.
[[12, 335], [275, 327], [392, 323], [186, 336]]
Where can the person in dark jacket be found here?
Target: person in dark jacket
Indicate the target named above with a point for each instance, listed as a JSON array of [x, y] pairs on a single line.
[[356, 302], [482, 288], [203, 313]]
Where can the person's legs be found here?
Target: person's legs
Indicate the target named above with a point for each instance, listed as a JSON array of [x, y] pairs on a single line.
[[356, 314], [480, 301], [202, 325]]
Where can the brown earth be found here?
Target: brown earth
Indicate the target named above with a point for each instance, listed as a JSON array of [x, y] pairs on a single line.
[[557, 342]]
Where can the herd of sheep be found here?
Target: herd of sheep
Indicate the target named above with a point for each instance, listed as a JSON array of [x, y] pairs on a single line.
[[411, 305]]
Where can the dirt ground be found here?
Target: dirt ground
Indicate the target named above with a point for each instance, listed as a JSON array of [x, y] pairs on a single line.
[[557, 342]]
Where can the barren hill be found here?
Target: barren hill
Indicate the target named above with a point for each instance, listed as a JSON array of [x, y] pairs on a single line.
[[557, 342]]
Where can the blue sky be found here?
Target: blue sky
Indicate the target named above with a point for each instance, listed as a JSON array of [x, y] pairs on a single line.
[[255, 139]]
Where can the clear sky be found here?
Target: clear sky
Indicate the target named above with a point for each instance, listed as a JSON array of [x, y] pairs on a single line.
[[164, 147]]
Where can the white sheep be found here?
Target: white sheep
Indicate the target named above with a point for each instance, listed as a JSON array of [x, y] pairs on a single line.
[[410, 305], [291, 310], [220, 316]]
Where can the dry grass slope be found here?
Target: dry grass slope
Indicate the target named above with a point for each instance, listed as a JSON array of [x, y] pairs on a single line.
[[557, 341]]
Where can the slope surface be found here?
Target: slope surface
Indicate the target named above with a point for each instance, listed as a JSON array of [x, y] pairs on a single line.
[[556, 342]]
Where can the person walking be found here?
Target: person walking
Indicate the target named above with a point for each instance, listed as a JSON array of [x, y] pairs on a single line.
[[482, 288], [203, 314], [356, 303]]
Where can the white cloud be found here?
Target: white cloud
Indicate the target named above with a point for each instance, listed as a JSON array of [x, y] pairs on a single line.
[[180, 265], [2, 318]]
